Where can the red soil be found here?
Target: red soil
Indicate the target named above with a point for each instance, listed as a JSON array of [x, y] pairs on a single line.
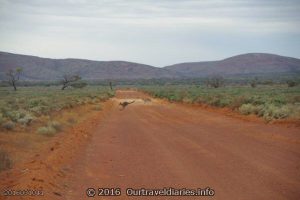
[[157, 144]]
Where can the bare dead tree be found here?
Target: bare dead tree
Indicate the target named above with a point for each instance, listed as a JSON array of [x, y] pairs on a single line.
[[110, 85], [14, 76], [68, 80]]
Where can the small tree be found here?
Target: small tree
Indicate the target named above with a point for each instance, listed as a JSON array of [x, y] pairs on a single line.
[[68, 80], [14, 76], [215, 81], [253, 83], [291, 83]]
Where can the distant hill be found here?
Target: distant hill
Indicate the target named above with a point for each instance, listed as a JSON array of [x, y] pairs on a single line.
[[245, 64], [36, 68], [40, 69]]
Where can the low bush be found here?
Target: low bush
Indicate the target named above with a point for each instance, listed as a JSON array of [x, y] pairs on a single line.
[[274, 112], [8, 125], [15, 115], [30, 103], [236, 103], [97, 107], [56, 125], [187, 100], [46, 130], [269, 102], [267, 111], [26, 120], [291, 83], [2, 119], [247, 109], [51, 128]]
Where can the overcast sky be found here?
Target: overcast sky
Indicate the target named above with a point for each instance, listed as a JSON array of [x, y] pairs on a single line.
[[155, 32]]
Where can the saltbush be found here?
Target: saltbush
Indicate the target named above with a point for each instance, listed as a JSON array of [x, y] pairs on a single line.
[[247, 109], [15, 115], [2, 119], [97, 107], [46, 130], [8, 125], [275, 112], [269, 102], [56, 125], [26, 120]]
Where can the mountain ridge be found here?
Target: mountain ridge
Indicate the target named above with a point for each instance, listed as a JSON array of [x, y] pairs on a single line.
[[39, 68], [249, 63]]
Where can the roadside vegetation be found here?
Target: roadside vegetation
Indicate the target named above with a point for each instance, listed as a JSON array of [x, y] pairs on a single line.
[[19, 109], [29, 116], [271, 102]]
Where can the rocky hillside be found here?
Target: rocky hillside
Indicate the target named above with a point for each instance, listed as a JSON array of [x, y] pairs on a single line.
[[36, 68], [252, 63]]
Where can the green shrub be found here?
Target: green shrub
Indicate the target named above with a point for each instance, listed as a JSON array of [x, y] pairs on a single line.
[[40, 110], [2, 119], [275, 112], [187, 100], [46, 130], [238, 102], [217, 101], [268, 112], [42, 101], [51, 128], [5, 161], [97, 107], [291, 83], [80, 102], [15, 115], [94, 101], [269, 102], [9, 125], [247, 109], [282, 112], [37, 101], [109, 94], [200, 100], [224, 102], [26, 120], [255, 100], [56, 125]]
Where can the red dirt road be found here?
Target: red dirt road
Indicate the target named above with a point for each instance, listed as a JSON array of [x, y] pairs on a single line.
[[157, 145]]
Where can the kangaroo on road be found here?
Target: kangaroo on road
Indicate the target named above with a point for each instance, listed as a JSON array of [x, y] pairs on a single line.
[[125, 103]]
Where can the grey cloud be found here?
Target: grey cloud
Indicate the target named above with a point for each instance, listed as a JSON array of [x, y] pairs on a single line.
[[152, 32]]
